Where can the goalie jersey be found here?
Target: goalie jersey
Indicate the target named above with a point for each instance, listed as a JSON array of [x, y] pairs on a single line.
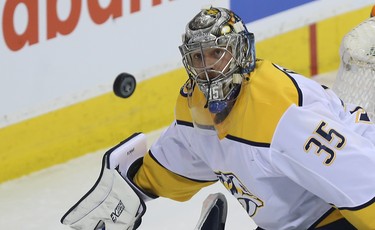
[[290, 151]]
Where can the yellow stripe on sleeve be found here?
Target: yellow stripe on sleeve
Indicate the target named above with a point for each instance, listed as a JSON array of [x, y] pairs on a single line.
[[155, 179]]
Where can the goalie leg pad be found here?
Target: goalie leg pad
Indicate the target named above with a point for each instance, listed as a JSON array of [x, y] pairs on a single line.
[[214, 213]]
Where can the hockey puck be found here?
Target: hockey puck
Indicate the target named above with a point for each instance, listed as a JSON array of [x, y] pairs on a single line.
[[124, 85]]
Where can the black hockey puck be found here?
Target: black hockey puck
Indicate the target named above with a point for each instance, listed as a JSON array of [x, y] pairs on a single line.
[[124, 85]]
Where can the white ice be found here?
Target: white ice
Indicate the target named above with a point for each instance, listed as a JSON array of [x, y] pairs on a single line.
[[38, 201]]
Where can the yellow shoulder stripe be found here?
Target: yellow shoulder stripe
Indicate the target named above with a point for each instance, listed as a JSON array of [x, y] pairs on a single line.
[[269, 94]]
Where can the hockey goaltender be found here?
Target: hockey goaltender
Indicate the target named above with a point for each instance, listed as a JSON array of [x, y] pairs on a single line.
[[289, 149]]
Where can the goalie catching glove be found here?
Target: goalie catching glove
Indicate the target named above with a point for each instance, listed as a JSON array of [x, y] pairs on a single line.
[[113, 203]]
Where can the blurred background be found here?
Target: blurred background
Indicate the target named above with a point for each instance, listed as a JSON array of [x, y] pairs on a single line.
[[59, 59]]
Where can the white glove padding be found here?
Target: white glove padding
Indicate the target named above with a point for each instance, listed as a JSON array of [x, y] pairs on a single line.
[[111, 202]]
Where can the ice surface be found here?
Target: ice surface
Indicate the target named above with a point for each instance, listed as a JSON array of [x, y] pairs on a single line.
[[38, 201]]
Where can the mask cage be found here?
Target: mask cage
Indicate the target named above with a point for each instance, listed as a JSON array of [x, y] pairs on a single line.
[[211, 64]]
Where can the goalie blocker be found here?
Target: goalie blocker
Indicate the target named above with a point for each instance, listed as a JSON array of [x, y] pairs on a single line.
[[115, 203]]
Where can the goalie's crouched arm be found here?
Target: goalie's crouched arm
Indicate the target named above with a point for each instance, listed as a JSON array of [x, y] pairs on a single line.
[[114, 202]]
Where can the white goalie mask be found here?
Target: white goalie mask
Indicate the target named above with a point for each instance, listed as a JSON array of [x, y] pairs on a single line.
[[217, 52]]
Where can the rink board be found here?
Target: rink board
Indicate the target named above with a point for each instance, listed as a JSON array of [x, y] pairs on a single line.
[[103, 121]]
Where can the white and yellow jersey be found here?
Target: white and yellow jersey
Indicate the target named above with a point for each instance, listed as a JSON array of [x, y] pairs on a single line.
[[292, 154]]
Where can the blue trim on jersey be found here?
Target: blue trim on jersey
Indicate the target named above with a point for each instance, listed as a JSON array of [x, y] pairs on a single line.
[[185, 123], [340, 224], [248, 142], [253, 10], [196, 180], [370, 202], [230, 137], [285, 71]]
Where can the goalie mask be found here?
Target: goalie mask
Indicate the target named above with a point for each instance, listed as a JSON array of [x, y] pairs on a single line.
[[217, 51]]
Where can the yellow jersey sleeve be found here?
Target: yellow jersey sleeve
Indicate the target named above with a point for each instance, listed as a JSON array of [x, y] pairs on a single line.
[[153, 178]]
